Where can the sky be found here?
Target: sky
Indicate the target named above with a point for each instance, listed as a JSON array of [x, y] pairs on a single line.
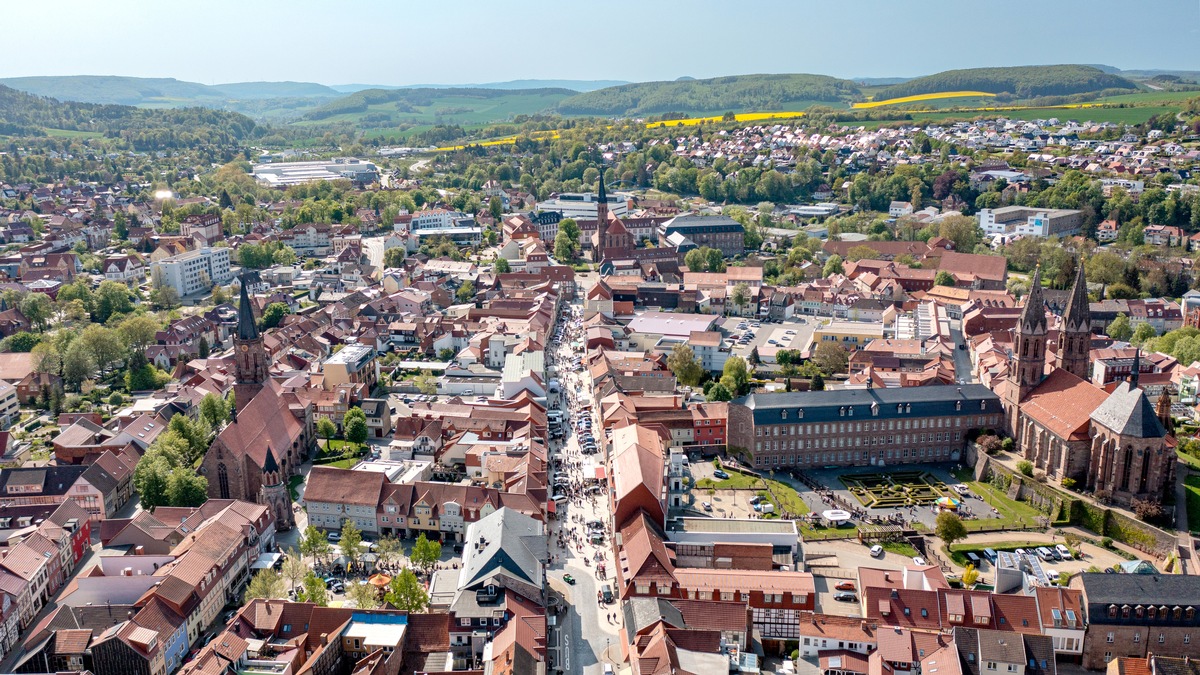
[[396, 42]]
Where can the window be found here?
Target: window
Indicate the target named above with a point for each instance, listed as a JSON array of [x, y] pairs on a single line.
[[991, 665], [1187, 639], [1110, 637], [1137, 637], [287, 628], [1162, 637]]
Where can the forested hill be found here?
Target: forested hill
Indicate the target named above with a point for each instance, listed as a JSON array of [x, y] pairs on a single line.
[[23, 115], [719, 94], [414, 101], [1020, 81]]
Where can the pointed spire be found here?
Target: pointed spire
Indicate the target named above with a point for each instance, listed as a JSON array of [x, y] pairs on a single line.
[[603, 196], [246, 328], [1136, 370], [1033, 315], [269, 464], [1077, 315], [1163, 409]]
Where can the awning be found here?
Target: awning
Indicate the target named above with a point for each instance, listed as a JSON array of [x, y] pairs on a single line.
[[266, 561], [550, 506], [601, 474]]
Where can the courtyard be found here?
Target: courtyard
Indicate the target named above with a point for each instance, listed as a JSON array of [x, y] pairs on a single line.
[[897, 489]]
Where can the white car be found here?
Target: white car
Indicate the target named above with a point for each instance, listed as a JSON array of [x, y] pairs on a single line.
[[876, 551], [919, 560]]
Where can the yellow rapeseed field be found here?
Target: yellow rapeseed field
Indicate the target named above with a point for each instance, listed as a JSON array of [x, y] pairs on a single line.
[[740, 117], [920, 97]]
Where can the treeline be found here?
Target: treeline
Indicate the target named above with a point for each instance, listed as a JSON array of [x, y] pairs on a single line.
[[741, 92], [407, 100], [23, 114], [1021, 81]]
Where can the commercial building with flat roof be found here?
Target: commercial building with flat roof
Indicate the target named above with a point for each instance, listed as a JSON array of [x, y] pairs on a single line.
[[861, 427], [193, 272], [1029, 221], [283, 174], [583, 205]]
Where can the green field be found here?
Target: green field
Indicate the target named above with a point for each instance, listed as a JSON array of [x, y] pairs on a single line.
[[1193, 502], [1151, 97], [67, 133], [1118, 115]]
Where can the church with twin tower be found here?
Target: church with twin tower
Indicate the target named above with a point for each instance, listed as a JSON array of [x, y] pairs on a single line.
[[1116, 444]]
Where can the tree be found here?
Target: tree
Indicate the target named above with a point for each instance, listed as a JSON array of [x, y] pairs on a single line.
[[962, 230], [944, 278], [833, 266], [446, 354], [718, 392], [426, 383], [284, 255], [265, 584], [77, 364], [45, 358], [686, 367], [1148, 509], [103, 344], [716, 260], [293, 569], [425, 552], [273, 314], [186, 488], [860, 252], [111, 298], [1143, 332], [755, 358], [831, 358], [314, 543], [355, 423], [970, 576], [394, 257], [695, 260], [120, 226], [164, 297], [151, 478], [203, 349], [1120, 329], [363, 595], [465, 293], [314, 590], [388, 548], [406, 592], [139, 331], [950, 527], [571, 228], [21, 341], [1025, 467], [565, 248], [213, 410], [351, 542], [37, 307], [736, 376], [817, 383], [501, 266], [141, 375], [741, 295], [326, 428]]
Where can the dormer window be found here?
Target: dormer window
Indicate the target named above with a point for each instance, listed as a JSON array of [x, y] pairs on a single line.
[[800, 413], [899, 408], [907, 407], [850, 412], [783, 414], [982, 405], [958, 405], [842, 411]]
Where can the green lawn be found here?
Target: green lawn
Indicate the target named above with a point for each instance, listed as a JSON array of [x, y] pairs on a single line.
[[1193, 462], [899, 548], [736, 481], [1011, 511], [293, 483], [1192, 484]]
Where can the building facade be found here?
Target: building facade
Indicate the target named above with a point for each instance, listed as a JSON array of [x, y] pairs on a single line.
[[193, 272], [864, 427]]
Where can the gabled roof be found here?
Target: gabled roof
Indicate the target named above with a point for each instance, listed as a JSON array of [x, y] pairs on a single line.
[[1129, 413], [504, 542]]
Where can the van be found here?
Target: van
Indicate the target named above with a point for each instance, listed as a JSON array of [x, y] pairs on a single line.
[[973, 558], [989, 554], [1045, 554], [607, 594], [560, 499], [1064, 552]]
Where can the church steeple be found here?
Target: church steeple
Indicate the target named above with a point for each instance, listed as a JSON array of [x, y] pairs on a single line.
[[601, 221], [1028, 362], [1033, 315], [250, 354], [1162, 409], [247, 329], [1075, 338], [1136, 371]]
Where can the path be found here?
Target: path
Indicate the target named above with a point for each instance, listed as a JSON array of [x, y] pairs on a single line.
[[1183, 531]]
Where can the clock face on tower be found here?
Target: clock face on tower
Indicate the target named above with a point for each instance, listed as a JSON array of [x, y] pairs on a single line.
[[245, 348]]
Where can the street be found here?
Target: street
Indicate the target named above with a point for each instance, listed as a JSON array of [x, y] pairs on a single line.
[[589, 634]]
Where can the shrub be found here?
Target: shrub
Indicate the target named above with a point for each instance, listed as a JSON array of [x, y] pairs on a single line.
[[1148, 509], [1007, 444], [1106, 542], [1025, 467], [1068, 483]]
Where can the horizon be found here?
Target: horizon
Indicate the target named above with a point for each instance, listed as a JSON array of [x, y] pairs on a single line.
[[213, 49]]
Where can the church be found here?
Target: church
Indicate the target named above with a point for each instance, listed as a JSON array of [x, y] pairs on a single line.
[[270, 429], [612, 240], [1116, 442]]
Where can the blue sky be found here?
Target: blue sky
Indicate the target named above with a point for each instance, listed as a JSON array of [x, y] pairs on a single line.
[[449, 41]]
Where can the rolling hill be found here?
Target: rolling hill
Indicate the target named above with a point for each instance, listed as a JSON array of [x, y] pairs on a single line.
[[1019, 81], [383, 107], [573, 85], [739, 92], [26, 115]]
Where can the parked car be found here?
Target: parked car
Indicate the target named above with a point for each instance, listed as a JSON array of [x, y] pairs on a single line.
[[876, 551], [1064, 552], [720, 474], [607, 594], [846, 586], [569, 579], [845, 597], [706, 506], [918, 560], [335, 537]]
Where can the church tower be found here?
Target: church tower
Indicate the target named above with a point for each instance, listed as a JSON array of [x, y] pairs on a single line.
[[274, 493], [1028, 361], [1075, 340], [250, 355], [601, 237]]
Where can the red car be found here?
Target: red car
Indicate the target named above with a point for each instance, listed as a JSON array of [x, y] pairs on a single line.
[[845, 586]]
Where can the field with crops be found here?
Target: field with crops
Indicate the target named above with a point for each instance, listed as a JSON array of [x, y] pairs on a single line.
[[740, 117], [921, 98]]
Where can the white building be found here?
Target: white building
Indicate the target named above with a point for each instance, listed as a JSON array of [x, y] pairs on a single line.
[[283, 174], [1030, 222], [583, 205], [10, 406], [193, 272]]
